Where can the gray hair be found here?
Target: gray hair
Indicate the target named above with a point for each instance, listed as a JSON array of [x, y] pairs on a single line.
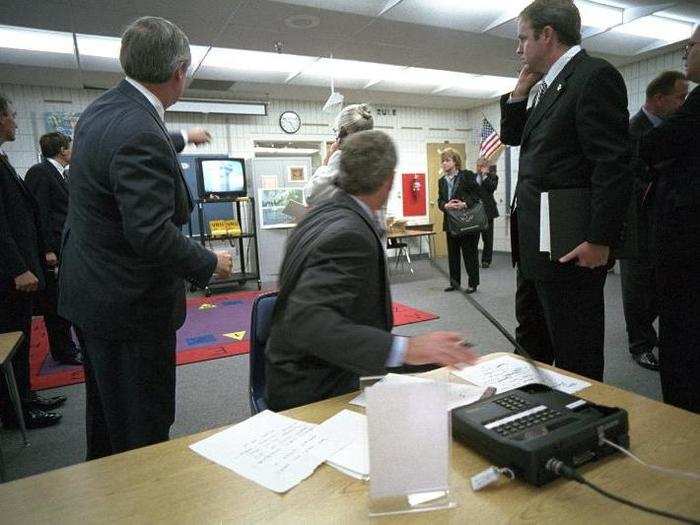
[[152, 49], [353, 118], [367, 161], [4, 104]]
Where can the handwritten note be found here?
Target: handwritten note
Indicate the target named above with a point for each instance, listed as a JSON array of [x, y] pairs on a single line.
[[458, 394], [275, 451], [507, 372]]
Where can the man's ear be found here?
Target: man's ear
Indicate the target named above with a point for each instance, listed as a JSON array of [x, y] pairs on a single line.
[[548, 34]]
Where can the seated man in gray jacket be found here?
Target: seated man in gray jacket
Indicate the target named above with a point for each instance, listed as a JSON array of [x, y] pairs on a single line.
[[332, 320]]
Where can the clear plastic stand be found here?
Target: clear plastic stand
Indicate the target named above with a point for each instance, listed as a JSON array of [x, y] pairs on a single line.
[[409, 448]]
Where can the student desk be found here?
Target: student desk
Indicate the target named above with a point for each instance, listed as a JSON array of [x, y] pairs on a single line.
[[168, 483]]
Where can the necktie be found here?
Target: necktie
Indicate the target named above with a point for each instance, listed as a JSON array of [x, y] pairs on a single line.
[[540, 93], [65, 175]]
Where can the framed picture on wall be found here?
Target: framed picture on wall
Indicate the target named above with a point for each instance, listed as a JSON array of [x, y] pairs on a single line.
[[273, 204], [296, 173]]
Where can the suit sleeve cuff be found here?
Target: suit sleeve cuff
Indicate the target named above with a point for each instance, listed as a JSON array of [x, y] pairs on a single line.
[[397, 354]]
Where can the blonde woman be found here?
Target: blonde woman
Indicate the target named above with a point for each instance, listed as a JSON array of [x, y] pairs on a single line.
[[351, 119], [457, 188]]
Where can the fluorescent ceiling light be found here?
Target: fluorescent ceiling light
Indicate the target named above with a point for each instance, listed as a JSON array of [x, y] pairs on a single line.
[[285, 151], [428, 77], [220, 107], [464, 6], [36, 40], [256, 61], [599, 15], [656, 28], [349, 69], [109, 47]]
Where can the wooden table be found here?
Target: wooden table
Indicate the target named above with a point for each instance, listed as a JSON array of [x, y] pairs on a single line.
[[168, 483], [9, 342], [395, 237]]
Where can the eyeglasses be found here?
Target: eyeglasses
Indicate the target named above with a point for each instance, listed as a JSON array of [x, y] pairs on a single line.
[[687, 49]]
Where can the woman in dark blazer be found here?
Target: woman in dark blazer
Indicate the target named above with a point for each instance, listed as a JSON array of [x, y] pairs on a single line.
[[457, 188]]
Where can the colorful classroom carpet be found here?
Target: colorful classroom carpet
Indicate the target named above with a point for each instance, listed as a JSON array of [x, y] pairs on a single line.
[[216, 326]]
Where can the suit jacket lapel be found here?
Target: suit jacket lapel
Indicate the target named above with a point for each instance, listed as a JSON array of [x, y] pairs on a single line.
[[56, 175], [552, 95]]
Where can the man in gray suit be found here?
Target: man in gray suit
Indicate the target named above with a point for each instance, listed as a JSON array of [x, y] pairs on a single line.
[[124, 259], [332, 320], [665, 94]]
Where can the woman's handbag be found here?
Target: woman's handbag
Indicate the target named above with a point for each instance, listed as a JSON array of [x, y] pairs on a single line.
[[471, 219]]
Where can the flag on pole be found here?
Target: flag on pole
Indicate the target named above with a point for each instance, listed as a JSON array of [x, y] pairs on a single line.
[[491, 145]]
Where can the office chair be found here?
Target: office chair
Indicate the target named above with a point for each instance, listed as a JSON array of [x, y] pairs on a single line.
[[260, 321]]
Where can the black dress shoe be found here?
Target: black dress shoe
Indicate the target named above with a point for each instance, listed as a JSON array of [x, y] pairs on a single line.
[[450, 289], [37, 402], [75, 358], [647, 360], [470, 289], [485, 264], [34, 418]]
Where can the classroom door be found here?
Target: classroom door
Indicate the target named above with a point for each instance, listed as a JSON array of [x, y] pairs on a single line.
[[434, 172]]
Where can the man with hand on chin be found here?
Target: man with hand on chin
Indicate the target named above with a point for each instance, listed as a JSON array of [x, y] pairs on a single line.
[[575, 135]]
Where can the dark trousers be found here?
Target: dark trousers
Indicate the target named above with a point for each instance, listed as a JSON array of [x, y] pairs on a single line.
[[487, 239], [639, 304], [563, 323], [130, 392], [679, 333], [16, 316], [468, 245], [58, 329]]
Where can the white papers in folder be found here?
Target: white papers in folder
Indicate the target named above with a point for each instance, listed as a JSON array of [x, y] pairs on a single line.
[[275, 451], [507, 372], [459, 394], [545, 235]]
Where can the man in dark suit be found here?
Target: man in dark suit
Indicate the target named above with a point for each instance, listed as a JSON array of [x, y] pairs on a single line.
[[487, 180], [664, 95], [574, 136], [49, 184], [673, 148], [124, 259], [332, 320], [23, 256]]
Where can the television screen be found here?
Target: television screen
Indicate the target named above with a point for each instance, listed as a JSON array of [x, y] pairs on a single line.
[[221, 178]]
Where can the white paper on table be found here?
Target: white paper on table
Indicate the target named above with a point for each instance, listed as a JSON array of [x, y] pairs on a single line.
[[458, 394], [275, 451], [353, 459], [545, 237], [507, 372]]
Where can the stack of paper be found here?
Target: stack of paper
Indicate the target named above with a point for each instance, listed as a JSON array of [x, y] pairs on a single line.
[[275, 451], [353, 459], [459, 394], [508, 372]]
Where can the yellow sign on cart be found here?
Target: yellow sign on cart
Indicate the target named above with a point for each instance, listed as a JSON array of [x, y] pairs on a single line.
[[224, 228]]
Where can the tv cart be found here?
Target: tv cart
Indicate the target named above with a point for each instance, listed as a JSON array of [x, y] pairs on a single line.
[[236, 241]]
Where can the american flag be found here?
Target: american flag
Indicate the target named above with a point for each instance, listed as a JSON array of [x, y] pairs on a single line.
[[491, 145]]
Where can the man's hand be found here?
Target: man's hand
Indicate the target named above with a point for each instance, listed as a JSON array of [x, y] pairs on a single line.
[[588, 255], [224, 265], [455, 204], [526, 80], [442, 348], [51, 259], [198, 136], [27, 282]]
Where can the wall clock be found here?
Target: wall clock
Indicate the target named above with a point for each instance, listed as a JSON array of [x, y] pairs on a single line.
[[290, 122]]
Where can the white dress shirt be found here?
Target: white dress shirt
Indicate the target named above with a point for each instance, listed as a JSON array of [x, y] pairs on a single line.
[[554, 70], [59, 167]]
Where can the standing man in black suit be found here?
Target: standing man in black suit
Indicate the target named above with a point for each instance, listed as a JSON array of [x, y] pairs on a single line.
[[487, 180], [49, 183], [673, 148], [574, 136], [332, 320], [664, 95], [23, 255], [124, 259]]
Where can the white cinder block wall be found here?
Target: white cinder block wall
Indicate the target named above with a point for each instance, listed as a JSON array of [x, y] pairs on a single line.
[[411, 128]]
